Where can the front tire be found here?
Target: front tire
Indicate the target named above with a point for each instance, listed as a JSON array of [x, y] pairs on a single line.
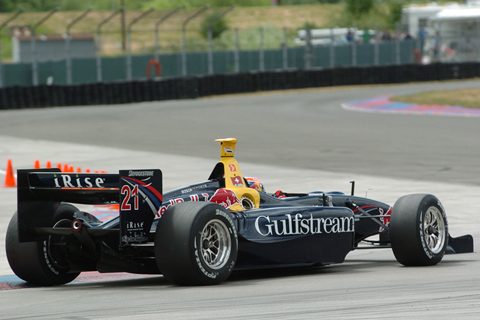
[[418, 230], [196, 244], [40, 262]]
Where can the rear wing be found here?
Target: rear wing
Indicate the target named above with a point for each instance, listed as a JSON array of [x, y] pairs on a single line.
[[40, 192]]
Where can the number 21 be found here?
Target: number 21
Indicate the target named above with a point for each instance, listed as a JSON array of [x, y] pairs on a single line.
[[129, 193]]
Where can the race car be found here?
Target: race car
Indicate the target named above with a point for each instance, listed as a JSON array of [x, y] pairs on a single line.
[[200, 233]]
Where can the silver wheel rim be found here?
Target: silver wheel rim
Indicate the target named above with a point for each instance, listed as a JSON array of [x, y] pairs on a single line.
[[434, 229], [215, 244]]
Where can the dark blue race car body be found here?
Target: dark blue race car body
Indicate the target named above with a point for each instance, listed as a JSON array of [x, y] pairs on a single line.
[[199, 233]]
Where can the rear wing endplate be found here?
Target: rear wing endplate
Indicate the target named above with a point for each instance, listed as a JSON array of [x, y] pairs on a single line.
[[40, 192]]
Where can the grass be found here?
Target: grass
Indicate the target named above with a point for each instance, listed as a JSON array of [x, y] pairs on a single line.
[[241, 18], [469, 98]]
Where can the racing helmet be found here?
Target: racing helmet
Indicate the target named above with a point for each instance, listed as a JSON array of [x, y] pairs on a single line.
[[255, 183]]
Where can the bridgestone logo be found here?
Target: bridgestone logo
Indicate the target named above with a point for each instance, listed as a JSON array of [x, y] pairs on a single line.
[[132, 173], [297, 224]]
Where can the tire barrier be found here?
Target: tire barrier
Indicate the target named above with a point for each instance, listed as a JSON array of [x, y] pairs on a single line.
[[192, 87]]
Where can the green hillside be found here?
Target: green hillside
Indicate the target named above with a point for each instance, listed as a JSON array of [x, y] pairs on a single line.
[[247, 20]]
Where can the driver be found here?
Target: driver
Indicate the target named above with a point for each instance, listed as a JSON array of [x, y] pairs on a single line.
[[257, 184], [254, 183]]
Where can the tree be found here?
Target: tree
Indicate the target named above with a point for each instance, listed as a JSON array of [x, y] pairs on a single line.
[[395, 12], [358, 8], [218, 26], [5, 5]]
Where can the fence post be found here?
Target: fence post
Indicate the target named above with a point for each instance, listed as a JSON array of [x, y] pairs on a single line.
[[332, 48], [157, 25], [261, 51], [68, 58], [354, 46], [33, 46], [308, 48], [99, 43], [210, 23], [285, 49], [376, 52], [237, 52], [184, 38], [129, 42]]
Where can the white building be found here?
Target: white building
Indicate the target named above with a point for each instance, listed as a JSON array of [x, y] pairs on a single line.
[[453, 27], [49, 47], [415, 16]]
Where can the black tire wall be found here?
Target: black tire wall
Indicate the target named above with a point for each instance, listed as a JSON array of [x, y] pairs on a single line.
[[206, 85]]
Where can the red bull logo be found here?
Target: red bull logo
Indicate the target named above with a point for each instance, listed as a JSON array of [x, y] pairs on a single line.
[[224, 197]]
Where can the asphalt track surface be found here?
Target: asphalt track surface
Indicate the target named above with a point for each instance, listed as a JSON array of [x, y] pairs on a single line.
[[294, 141]]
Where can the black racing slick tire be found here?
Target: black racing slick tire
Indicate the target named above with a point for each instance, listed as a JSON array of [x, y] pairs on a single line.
[[41, 262], [196, 243], [418, 230]]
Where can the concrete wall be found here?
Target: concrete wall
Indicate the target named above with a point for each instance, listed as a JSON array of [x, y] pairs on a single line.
[[51, 49]]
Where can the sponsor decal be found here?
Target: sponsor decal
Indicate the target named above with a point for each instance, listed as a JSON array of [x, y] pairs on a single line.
[[135, 226], [237, 181], [225, 215], [225, 197], [228, 150], [207, 273], [188, 190], [134, 173], [136, 238], [232, 167], [229, 218], [68, 181], [46, 256], [140, 198], [421, 231], [299, 224], [171, 202]]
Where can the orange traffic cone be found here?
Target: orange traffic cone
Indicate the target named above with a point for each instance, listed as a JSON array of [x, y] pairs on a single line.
[[37, 164], [10, 178], [49, 164]]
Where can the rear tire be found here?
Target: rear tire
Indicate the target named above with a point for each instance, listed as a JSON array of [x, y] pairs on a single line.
[[196, 244], [40, 262], [418, 230]]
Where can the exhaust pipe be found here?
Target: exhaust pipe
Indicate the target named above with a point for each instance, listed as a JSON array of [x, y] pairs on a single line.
[[76, 225]]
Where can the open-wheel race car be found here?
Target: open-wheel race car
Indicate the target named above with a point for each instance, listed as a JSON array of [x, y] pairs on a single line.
[[199, 234]]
